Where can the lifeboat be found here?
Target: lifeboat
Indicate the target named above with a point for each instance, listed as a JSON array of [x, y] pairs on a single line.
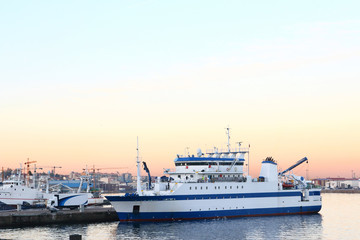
[[287, 185]]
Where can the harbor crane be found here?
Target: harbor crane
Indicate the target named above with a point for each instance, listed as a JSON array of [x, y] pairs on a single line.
[[52, 167], [98, 169], [27, 163], [93, 169]]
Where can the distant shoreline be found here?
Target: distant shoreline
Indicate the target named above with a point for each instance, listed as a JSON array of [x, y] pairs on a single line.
[[340, 190]]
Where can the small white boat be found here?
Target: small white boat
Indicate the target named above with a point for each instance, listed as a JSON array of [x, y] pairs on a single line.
[[15, 192]]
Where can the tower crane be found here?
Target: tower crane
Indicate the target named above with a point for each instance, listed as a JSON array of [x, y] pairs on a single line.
[[52, 167], [28, 162], [98, 169], [93, 169]]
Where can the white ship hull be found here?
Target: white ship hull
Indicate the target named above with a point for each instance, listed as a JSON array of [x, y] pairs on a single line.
[[207, 204]]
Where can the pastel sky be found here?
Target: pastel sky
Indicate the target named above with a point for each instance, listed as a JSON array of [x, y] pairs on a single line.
[[79, 80]]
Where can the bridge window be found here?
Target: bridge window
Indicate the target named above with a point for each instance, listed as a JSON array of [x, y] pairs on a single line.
[[180, 164]]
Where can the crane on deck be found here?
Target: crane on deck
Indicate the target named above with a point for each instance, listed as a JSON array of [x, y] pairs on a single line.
[[294, 166]]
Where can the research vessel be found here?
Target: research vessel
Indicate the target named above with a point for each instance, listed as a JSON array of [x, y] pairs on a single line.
[[215, 185]]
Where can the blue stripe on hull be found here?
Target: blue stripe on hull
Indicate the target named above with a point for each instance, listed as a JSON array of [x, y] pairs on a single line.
[[176, 216], [209, 196]]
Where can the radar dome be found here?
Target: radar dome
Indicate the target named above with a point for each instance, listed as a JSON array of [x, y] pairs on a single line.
[[199, 153]]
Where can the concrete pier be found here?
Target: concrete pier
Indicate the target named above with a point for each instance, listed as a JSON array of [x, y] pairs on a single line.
[[340, 191], [38, 217]]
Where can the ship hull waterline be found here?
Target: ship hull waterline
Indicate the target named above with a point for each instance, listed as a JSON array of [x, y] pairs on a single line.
[[202, 215]]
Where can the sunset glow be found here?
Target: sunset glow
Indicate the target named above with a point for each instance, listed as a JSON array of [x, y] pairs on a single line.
[[79, 81]]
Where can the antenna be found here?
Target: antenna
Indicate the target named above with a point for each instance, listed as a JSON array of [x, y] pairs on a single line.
[[187, 152], [228, 135], [239, 143], [249, 161]]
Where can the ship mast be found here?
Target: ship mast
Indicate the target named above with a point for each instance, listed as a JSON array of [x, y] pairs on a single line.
[[138, 179]]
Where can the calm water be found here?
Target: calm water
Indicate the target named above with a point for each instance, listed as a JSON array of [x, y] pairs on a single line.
[[338, 219]]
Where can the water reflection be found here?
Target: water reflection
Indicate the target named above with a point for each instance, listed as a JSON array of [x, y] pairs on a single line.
[[338, 219], [279, 227]]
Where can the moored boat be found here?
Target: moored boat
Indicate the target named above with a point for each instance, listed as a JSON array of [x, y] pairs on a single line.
[[216, 186]]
